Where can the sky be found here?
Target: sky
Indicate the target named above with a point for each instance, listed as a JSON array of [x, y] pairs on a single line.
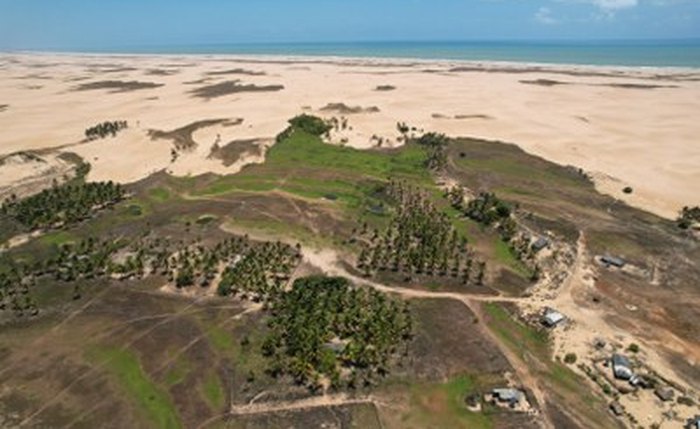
[[96, 24]]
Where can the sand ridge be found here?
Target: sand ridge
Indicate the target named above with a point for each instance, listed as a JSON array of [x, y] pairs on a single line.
[[627, 126]]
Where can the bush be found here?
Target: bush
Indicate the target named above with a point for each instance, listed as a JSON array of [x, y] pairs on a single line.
[[570, 358], [633, 348], [627, 190], [310, 124]]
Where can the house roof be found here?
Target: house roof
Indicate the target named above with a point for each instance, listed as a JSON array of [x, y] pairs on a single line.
[[553, 317], [507, 394], [613, 260], [619, 360]]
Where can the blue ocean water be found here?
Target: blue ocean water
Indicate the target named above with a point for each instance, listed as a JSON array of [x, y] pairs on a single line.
[[666, 53]]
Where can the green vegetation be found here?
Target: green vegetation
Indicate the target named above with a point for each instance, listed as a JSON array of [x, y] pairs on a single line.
[[213, 392], [326, 328], [105, 129], [310, 124], [159, 194], [125, 366], [61, 205], [633, 348], [301, 164], [570, 358]]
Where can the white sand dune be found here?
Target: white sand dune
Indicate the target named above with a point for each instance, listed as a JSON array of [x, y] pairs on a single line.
[[645, 138]]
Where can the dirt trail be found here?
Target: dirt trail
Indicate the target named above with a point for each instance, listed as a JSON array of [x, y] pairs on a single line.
[[300, 404]]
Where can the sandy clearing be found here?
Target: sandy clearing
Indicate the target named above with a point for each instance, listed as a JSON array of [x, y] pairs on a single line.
[[625, 136]]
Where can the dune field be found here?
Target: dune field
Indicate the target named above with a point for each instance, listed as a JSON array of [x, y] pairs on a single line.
[[625, 127]]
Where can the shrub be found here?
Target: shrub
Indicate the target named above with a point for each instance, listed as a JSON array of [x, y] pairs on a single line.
[[627, 190], [311, 124], [570, 358], [633, 348]]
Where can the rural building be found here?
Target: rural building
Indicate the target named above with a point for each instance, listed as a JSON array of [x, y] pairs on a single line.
[[552, 318], [508, 395], [693, 423], [664, 393], [613, 261], [621, 367], [617, 409], [640, 381], [540, 244]]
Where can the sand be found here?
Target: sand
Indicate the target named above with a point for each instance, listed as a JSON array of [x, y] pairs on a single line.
[[603, 120]]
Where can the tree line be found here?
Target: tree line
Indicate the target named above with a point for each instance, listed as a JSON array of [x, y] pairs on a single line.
[[62, 204]]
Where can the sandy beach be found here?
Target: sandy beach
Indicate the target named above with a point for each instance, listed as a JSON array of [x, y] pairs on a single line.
[[626, 126]]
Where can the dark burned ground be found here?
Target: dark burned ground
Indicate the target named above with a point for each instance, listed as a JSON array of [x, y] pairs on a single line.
[[231, 87], [448, 342], [182, 137], [117, 85]]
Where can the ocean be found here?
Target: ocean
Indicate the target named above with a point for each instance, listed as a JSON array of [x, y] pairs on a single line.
[[661, 53]]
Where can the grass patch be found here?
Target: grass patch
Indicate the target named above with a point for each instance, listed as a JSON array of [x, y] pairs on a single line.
[[57, 238], [213, 392], [302, 164], [159, 194], [443, 405], [124, 365], [507, 256], [518, 336]]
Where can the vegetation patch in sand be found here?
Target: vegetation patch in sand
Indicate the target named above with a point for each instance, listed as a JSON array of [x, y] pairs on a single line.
[[117, 85], [232, 87], [385, 88], [4, 107], [182, 137], [236, 71], [344, 109], [230, 153], [161, 72], [550, 82]]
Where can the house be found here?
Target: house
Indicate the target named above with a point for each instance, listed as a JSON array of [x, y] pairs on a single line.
[[617, 409], [540, 244], [664, 393], [613, 261], [621, 367], [693, 423], [552, 318], [509, 396]]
